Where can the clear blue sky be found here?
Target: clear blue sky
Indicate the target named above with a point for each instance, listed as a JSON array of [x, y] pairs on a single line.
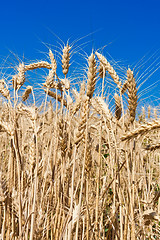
[[131, 28]]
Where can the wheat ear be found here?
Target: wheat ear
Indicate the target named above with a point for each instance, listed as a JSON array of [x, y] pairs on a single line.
[[88, 160], [109, 69], [124, 87], [141, 130], [14, 81], [50, 79], [132, 95], [53, 61], [91, 75], [3, 90], [80, 131], [149, 112], [101, 107], [25, 95], [79, 98], [118, 110], [41, 64], [65, 59], [102, 70], [21, 75]]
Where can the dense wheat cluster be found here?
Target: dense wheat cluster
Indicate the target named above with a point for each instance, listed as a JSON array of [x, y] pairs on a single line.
[[74, 168]]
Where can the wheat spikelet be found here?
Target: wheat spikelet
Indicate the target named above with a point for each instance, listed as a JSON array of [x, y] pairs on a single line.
[[88, 160], [91, 75], [25, 95], [32, 154], [149, 112], [65, 59], [62, 136], [3, 188], [3, 90], [102, 71], [50, 113], [109, 69], [124, 87], [132, 95], [83, 89], [118, 110], [69, 100], [14, 81], [66, 83], [41, 64]]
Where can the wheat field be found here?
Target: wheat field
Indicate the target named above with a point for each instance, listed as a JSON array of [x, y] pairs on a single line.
[[74, 168]]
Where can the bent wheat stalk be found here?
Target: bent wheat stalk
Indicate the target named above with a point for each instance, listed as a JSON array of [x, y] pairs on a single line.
[[56, 96]]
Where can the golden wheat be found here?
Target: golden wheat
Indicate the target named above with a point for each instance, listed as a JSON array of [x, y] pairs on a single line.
[[78, 166]]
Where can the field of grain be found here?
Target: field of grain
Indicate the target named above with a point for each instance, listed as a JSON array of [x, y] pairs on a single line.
[[73, 168]]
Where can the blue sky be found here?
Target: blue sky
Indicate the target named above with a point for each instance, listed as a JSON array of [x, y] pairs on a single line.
[[130, 29]]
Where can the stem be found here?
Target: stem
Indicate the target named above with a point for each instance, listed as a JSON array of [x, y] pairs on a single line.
[[82, 181]]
